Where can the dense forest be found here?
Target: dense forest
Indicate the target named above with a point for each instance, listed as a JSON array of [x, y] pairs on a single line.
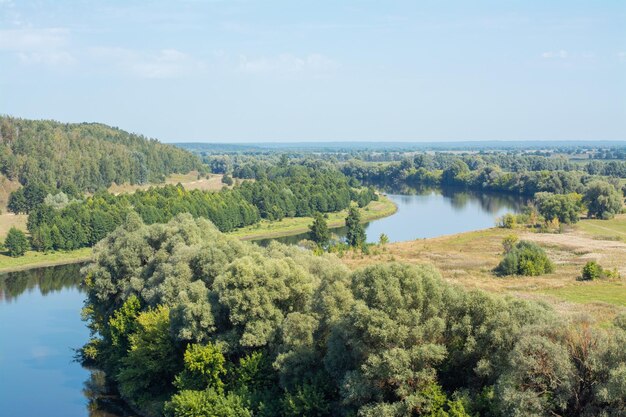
[[60, 222], [190, 322], [85, 156]]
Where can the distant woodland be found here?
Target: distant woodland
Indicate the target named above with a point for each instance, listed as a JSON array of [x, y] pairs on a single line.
[[85, 156]]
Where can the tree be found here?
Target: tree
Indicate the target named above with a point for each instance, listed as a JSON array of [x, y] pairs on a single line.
[[227, 179], [526, 258], [603, 201], [318, 230], [356, 232], [16, 242], [564, 207], [383, 239]]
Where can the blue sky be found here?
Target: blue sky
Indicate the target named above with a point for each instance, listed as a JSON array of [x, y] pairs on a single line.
[[245, 71]]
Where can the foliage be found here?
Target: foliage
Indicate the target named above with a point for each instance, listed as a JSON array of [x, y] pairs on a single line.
[[508, 221], [603, 201], [318, 230], [525, 258], [509, 242], [592, 271], [278, 331], [356, 232], [16, 242], [383, 239], [86, 156], [564, 207]]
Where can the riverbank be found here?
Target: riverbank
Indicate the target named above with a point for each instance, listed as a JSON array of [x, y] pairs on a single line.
[[469, 258], [265, 229], [33, 259], [295, 225]]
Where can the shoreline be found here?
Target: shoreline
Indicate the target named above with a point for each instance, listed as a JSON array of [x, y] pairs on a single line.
[[287, 227]]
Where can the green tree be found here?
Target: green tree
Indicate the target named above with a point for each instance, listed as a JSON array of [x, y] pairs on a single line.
[[208, 403], [525, 258], [356, 232], [383, 239], [16, 242], [591, 271], [603, 201], [318, 230], [564, 207], [204, 368]]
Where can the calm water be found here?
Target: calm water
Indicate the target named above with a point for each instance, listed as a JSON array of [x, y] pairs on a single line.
[[431, 213], [40, 324]]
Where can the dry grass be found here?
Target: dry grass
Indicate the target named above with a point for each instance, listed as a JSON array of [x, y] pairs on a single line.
[[469, 258], [9, 220], [6, 188], [190, 181]]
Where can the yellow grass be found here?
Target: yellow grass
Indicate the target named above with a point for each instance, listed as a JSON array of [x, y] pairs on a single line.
[[469, 258], [9, 220], [190, 181]]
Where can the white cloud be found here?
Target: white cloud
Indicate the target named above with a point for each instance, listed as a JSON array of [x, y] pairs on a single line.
[[561, 54], [33, 39], [166, 63], [50, 58], [286, 63]]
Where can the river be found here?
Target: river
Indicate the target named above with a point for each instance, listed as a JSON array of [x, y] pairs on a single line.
[[41, 326]]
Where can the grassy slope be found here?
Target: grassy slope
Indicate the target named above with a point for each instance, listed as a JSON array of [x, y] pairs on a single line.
[[468, 259], [294, 225], [190, 181]]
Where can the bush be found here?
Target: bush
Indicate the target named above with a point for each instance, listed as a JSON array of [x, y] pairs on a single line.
[[508, 221], [526, 258], [592, 271]]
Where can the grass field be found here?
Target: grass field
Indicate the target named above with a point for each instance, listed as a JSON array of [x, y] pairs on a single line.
[[469, 258], [609, 229], [9, 220], [294, 225], [34, 259], [190, 181]]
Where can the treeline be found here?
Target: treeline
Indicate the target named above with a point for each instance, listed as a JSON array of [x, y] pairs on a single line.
[[87, 156], [293, 191], [189, 322], [420, 172]]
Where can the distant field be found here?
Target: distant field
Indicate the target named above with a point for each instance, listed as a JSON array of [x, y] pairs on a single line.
[[190, 181]]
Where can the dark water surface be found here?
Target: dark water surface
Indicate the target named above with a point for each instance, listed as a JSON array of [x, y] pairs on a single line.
[[431, 213]]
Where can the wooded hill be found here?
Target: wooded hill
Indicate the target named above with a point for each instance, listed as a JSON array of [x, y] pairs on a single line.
[[88, 156]]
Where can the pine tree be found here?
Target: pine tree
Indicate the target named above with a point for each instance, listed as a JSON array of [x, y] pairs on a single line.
[[356, 232], [318, 230], [16, 242]]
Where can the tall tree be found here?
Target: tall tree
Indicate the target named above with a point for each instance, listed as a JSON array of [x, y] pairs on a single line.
[[16, 242], [356, 231], [318, 230]]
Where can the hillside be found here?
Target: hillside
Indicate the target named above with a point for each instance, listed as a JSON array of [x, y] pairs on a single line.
[[88, 156]]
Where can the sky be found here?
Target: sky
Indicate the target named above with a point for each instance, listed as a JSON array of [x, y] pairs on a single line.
[[299, 70]]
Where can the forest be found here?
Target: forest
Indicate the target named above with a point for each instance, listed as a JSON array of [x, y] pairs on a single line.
[[188, 321], [62, 222], [85, 156]]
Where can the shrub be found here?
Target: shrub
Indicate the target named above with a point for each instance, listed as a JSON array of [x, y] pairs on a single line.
[[592, 270], [508, 221], [509, 243], [526, 258]]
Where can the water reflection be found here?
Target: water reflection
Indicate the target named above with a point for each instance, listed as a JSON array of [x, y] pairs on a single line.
[[40, 328], [46, 280], [431, 212]]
